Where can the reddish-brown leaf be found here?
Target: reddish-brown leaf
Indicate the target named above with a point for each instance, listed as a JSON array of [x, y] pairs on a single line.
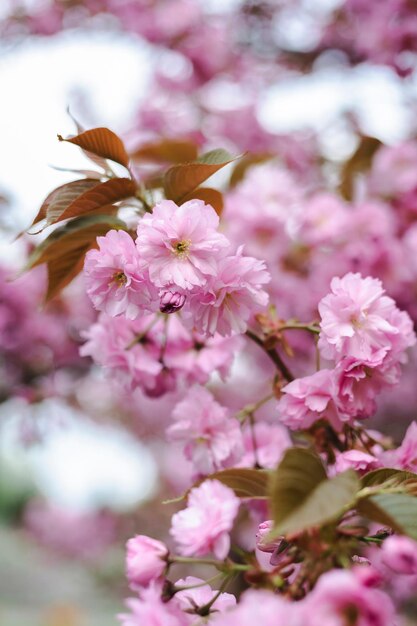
[[181, 180], [167, 151], [62, 196], [75, 234], [64, 269], [101, 142], [108, 209], [209, 196], [82, 172], [99, 196]]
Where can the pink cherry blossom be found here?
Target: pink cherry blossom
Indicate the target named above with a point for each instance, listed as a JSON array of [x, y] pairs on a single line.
[[340, 598], [358, 320], [180, 245], [189, 599], [275, 547], [196, 357], [323, 221], [359, 382], [400, 554], [114, 280], [155, 354], [150, 610], [309, 399], [231, 297], [394, 169], [405, 456], [112, 342], [357, 460], [71, 535], [212, 437], [269, 440], [258, 209], [263, 541], [204, 526], [262, 607], [145, 560]]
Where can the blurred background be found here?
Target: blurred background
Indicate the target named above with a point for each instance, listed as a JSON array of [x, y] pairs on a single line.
[[81, 464]]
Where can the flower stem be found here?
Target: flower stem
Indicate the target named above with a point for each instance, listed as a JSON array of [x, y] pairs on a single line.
[[252, 408], [138, 338], [227, 566], [273, 355], [195, 561], [311, 328], [205, 609]]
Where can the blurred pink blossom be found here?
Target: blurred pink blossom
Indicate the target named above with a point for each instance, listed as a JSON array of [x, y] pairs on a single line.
[[204, 526]]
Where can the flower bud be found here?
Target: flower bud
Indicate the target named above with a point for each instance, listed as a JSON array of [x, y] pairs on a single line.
[[171, 302], [145, 560], [263, 543]]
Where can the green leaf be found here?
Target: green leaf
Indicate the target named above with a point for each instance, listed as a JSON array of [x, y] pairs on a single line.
[[299, 472], [219, 156], [380, 476], [181, 180], [396, 510], [245, 482], [301, 495]]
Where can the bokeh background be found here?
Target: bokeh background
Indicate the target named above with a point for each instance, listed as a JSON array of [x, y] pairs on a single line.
[[78, 473]]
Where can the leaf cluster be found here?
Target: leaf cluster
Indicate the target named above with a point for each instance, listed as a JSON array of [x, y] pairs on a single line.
[[88, 207], [301, 496]]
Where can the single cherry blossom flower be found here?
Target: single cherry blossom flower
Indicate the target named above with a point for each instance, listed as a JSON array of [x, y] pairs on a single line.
[[114, 280], [180, 245], [204, 526], [145, 560]]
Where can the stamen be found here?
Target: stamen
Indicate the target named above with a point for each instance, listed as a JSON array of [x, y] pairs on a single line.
[[181, 248], [119, 278]]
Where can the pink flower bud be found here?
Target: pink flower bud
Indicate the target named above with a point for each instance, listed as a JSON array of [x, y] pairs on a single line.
[[171, 301], [145, 560], [262, 542]]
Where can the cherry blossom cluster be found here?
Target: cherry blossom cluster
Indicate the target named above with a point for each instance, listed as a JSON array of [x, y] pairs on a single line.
[[155, 354], [393, 27], [175, 298], [35, 343], [203, 527], [191, 30], [366, 335], [179, 261], [213, 439]]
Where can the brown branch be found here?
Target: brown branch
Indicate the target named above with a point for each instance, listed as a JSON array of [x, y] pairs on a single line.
[[273, 355]]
